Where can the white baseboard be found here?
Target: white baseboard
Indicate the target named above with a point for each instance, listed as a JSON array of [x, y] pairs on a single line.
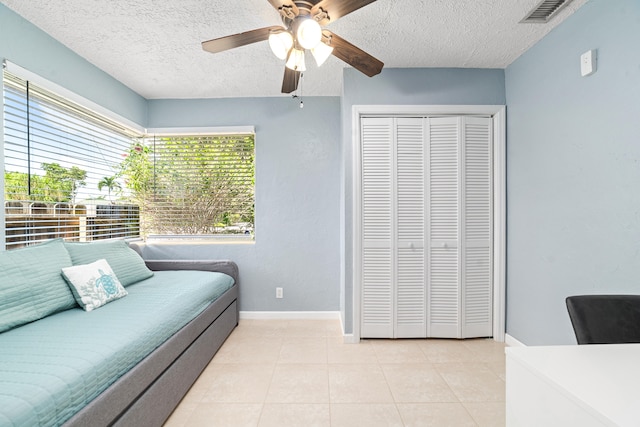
[[301, 315], [350, 339], [512, 342], [310, 315]]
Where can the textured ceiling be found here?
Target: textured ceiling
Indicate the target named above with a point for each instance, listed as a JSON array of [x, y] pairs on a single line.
[[153, 46]]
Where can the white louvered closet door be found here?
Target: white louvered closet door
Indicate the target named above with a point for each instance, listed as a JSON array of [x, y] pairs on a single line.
[[477, 230], [377, 264], [444, 228], [393, 228], [411, 289], [460, 227], [426, 197]]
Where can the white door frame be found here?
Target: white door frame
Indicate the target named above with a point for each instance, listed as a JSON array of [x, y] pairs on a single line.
[[499, 196]]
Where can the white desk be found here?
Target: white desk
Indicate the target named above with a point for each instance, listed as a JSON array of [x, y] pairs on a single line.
[[587, 385]]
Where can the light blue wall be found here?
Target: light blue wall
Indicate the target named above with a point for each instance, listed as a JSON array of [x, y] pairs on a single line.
[[27, 46], [394, 86], [573, 159], [297, 198], [297, 170]]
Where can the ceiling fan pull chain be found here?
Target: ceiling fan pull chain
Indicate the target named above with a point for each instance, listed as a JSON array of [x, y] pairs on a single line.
[[301, 101]]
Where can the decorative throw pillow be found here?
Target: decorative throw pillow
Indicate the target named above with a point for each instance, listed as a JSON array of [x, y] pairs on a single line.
[[94, 285], [125, 262]]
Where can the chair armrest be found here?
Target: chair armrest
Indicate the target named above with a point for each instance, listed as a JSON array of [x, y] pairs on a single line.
[[222, 266]]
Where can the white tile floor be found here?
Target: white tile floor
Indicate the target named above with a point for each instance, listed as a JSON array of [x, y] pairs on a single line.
[[300, 373]]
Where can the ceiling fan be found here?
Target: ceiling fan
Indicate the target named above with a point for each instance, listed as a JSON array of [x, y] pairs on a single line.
[[303, 30]]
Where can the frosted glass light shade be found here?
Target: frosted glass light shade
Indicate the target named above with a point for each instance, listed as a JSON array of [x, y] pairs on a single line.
[[309, 33], [321, 52], [281, 43], [296, 60]]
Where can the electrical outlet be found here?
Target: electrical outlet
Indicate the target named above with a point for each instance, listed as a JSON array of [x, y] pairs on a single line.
[[278, 292]]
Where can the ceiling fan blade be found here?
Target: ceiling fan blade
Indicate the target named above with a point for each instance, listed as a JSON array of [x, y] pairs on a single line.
[[285, 7], [290, 81], [337, 8], [237, 40], [354, 56]]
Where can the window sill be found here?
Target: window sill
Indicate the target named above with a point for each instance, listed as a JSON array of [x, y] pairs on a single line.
[[216, 239]]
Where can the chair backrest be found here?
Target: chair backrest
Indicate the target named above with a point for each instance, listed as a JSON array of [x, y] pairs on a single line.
[[605, 319]]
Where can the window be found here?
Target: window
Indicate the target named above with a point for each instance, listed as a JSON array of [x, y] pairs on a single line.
[[72, 173], [61, 170], [193, 184]]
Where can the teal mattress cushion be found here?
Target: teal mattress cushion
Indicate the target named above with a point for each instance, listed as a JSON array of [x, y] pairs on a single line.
[[28, 293], [128, 266], [52, 368]]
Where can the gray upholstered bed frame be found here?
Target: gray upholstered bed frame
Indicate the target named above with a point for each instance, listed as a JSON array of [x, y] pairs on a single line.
[[149, 392]]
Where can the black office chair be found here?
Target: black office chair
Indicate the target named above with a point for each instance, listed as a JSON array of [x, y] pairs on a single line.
[[605, 319]]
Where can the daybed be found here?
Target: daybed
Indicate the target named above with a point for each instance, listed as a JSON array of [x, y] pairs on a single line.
[[128, 362]]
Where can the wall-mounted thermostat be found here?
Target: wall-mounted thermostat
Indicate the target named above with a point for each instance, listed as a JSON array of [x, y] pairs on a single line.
[[588, 63]]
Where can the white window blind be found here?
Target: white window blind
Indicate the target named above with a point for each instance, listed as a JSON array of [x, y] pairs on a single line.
[[62, 170], [193, 184]]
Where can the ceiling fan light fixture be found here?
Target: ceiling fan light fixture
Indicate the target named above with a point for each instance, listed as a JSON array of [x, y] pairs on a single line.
[[296, 60], [321, 52], [309, 33], [281, 43], [302, 29]]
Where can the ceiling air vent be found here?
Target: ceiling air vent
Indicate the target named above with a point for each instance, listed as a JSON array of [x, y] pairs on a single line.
[[544, 11]]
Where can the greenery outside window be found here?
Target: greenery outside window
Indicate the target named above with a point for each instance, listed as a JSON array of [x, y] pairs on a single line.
[[73, 173], [193, 185], [61, 164]]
